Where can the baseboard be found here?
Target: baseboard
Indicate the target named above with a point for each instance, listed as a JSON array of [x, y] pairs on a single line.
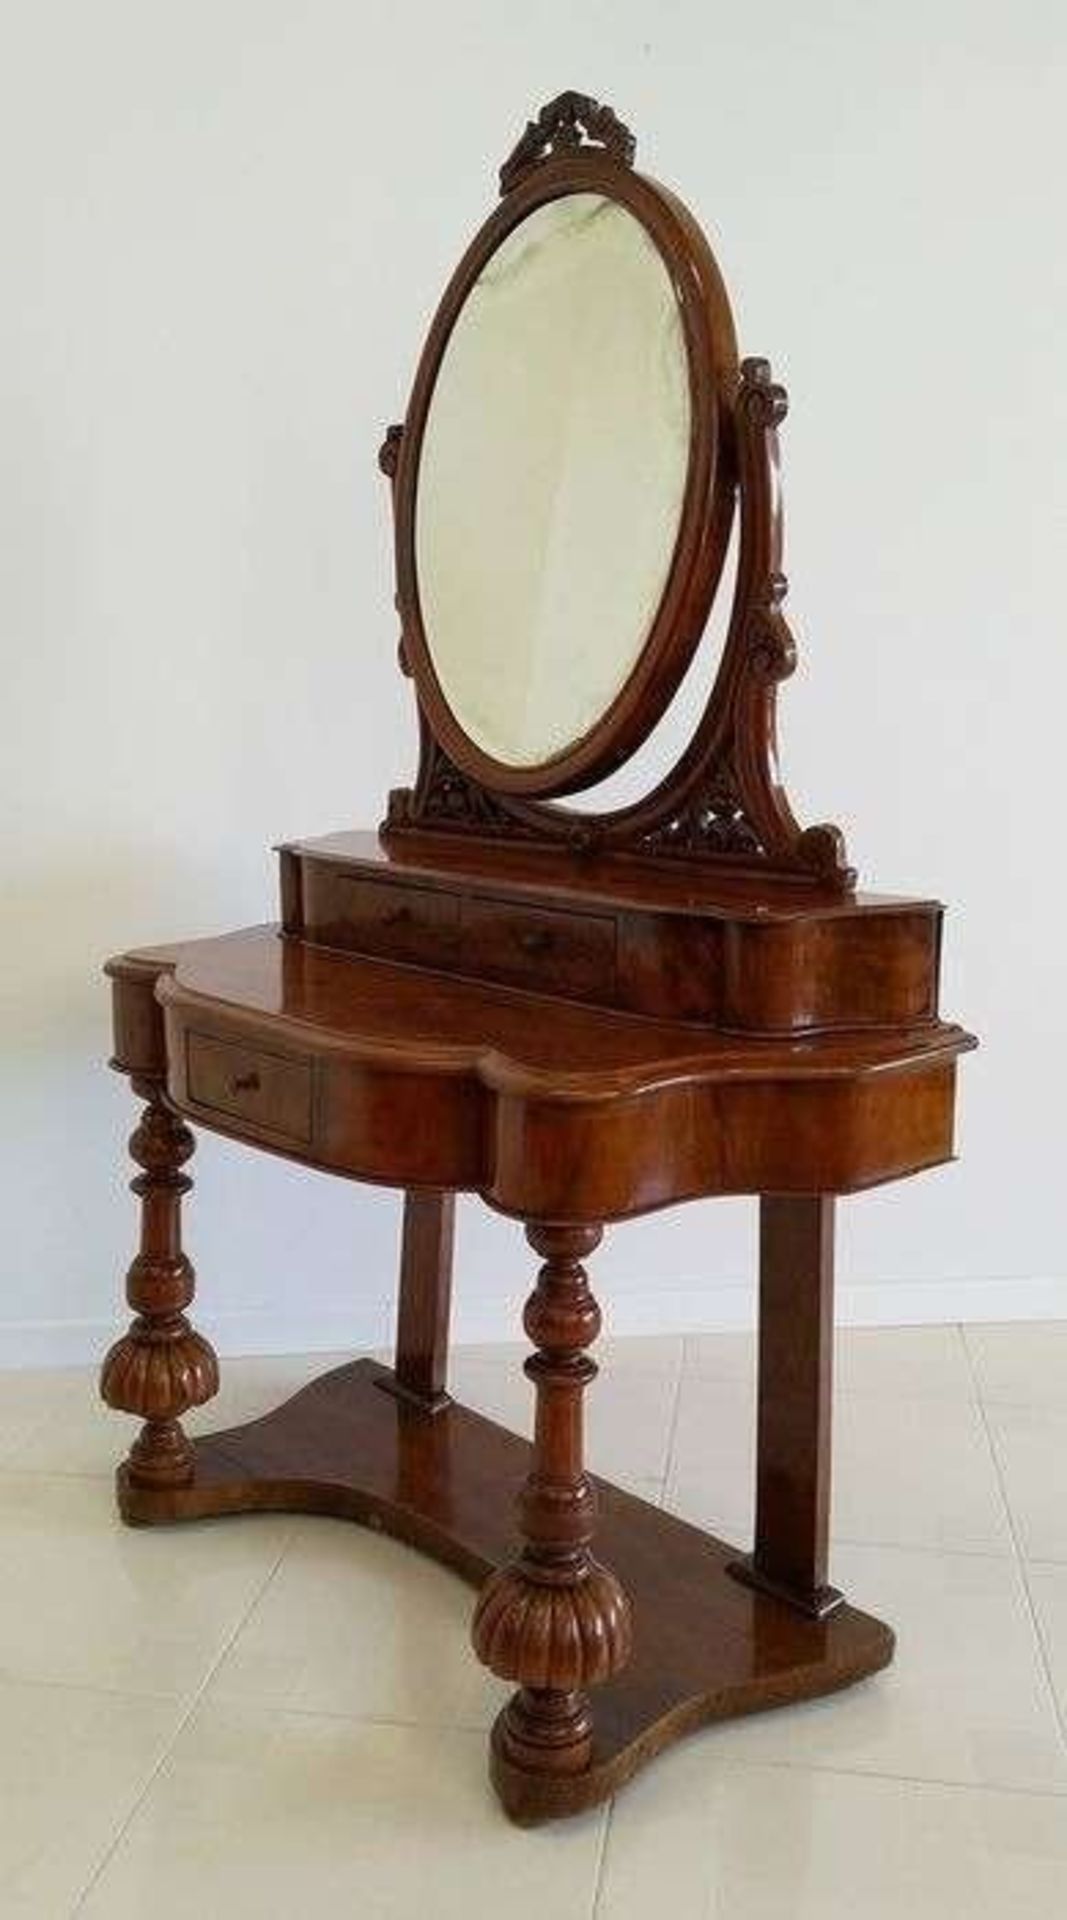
[[482, 1317], [297, 1329], [917, 1303], [730, 1306]]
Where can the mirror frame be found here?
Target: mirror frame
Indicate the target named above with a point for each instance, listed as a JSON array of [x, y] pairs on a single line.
[[721, 808], [708, 499]]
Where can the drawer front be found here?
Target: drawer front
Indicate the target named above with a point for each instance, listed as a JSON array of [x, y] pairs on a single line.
[[547, 950], [397, 922], [271, 1090]]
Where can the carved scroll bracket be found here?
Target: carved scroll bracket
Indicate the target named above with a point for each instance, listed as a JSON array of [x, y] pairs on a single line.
[[444, 797], [388, 462], [572, 123]]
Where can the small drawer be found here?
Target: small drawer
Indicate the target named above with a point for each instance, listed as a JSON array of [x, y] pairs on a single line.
[[272, 1090], [396, 922], [540, 947]]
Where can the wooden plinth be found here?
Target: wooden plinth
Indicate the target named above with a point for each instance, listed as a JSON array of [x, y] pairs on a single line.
[[706, 1647]]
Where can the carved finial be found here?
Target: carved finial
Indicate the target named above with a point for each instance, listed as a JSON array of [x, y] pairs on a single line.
[[761, 393], [572, 123], [389, 451], [822, 848]]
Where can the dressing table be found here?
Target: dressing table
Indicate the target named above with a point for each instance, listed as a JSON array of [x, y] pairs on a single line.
[[580, 1010]]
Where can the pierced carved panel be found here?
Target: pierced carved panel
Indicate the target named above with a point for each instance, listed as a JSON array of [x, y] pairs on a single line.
[[444, 797], [571, 123], [711, 820]]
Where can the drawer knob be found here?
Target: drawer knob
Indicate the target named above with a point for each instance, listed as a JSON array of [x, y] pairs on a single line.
[[397, 917], [245, 1082], [536, 940]]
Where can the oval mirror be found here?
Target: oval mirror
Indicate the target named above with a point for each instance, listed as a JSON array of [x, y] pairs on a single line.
[[562, 506]]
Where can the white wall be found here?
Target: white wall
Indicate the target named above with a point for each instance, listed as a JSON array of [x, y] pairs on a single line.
[[225, 224]]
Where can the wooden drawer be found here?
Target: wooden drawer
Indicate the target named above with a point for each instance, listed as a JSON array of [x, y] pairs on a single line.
[[272, 1090], [396, 922], [542, 948]]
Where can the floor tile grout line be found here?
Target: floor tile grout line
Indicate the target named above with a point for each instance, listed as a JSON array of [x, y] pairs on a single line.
[[911, 1395], [960, 1330], [468, 1730], [1001, 1399], [1020, 1559], [601, 1857], [261, 1703], [924, 1546], [735, 1764], [197, 1696], [672, 1425], [604, 1835], [972, 1364], [991, 1449], [734, 1524], [15, 1469], [90, 1686]]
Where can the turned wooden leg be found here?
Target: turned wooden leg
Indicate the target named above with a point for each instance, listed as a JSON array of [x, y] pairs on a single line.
[[424, 1301], [795, 1386], [555, 1620], [162, 1366]]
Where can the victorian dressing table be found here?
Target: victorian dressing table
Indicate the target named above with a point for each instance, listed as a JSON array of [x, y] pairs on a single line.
[[580, 1012]]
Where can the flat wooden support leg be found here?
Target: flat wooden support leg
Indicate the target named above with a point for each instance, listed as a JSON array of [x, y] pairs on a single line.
[[790, 1555], [554, 1620], [162, 1366], [424, 1301]]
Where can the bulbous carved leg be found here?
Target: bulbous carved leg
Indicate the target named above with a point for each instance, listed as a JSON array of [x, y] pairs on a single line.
[[162, 1366], [555, 1620]]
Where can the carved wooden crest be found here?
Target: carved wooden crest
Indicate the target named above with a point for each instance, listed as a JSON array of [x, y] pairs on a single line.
[[569, 124]]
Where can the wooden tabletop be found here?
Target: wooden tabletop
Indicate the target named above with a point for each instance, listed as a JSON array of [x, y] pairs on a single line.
[[550, 1110], [390, 1012]]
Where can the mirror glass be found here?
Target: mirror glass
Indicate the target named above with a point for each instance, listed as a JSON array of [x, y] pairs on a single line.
[[551, 478]]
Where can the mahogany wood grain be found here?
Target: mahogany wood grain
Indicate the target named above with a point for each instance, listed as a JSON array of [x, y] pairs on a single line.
[[162, 1367], [399, 923], [705, 1647], [550, 1110], [425, 1296], [621, 933], [796, 1332], [581, 1017], [273, 1089], [593, 880], [555, 1619], [523, 945]]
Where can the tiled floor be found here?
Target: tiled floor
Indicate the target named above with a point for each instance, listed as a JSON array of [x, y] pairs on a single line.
[[280, 1718]]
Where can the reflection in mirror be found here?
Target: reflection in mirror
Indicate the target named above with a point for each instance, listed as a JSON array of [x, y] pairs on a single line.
[[551, 478], [661, 750]]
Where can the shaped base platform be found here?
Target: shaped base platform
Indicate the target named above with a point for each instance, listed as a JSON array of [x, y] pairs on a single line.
[[706, 1646]]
